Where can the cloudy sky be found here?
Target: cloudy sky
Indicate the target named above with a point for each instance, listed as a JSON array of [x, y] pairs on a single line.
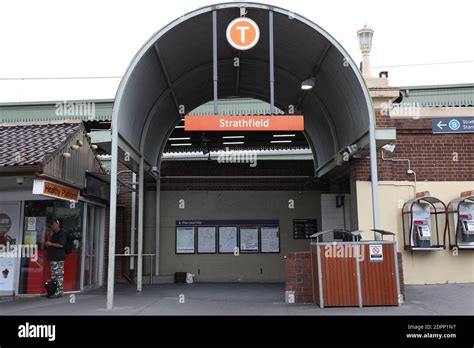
[[91, 38]]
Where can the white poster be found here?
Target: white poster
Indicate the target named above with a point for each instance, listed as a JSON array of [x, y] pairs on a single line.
[[185, 240], [376, 253], [249, 239], [9, 233], [206, 239], [7, 274], [31, 223], [270, 239], [227, 239]]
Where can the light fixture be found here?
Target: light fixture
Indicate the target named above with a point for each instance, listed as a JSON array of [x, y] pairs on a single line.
[[233, 137], [365, 36], [66, 154], [308, 84], [389, 147], [179, 139], [94, 147], [182, 144], [179, 127], [233, 143], [283, 135], [79, 143], [280, 141], [74, 147]]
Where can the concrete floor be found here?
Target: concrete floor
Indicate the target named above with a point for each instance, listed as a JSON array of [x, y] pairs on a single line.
[[235, 299]]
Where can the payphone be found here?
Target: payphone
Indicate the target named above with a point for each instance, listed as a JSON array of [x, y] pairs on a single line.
[[461, 224], [424, 221]]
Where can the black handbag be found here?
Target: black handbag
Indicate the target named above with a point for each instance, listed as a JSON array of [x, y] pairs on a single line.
[[51, 287]]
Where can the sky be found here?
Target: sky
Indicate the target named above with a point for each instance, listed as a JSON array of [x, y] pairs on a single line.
[[86, 38]]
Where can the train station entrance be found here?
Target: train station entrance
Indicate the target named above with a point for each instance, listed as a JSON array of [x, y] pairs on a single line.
[[238, 121]]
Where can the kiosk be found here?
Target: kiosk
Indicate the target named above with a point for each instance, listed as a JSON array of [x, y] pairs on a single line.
[[460, 231], [424, 222]]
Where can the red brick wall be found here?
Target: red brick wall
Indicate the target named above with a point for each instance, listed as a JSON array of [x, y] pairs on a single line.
[[431, 155], [298, 276]]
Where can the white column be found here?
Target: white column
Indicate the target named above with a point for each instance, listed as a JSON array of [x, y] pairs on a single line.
[[157, 227], [112, 217], [141, 192]]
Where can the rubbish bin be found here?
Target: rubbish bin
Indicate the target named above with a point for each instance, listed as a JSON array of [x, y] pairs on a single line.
[[355, 273]]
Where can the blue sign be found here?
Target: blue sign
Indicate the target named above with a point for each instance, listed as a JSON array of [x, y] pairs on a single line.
[[452, 125]]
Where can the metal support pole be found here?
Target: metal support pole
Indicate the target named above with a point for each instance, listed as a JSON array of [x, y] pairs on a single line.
[[214, 58], [373, 173], [397, 272], [157, 227], [357, 260], [272, 63], [133, 222], [113, 213], [141, 192]]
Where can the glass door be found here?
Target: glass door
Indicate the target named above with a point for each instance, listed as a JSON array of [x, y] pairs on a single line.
[[92, 246]]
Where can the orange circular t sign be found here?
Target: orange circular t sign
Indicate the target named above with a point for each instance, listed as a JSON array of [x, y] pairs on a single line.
[[242, 33]]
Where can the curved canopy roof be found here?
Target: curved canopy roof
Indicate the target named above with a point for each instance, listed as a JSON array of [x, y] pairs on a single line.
[[174, 68]]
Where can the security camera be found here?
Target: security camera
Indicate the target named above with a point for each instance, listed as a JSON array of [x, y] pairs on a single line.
[[390, 148], [20, 180]]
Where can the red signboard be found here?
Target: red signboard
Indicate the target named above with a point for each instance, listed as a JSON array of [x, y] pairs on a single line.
[[244, 123]]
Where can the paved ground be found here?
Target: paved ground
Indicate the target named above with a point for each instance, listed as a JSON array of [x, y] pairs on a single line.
[[235, 299]]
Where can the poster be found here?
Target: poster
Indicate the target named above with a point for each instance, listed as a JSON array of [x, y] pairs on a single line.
[[270, 239], [7, 274], [9, 232], [249, 239], [185, 240], [30, 238], [206, 240], [31, 223], [376, 253], [227, 239]]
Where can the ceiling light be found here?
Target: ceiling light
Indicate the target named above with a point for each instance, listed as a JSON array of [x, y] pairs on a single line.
[[233, 137], [308, 84], [283, 135], [66, 154], [179, 127], [233, 143], [280, 141], [74, 147], [179, 139], [183, 144]]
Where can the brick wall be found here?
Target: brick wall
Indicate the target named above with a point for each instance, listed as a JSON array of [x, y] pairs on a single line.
[[298, 276], [434, 157]]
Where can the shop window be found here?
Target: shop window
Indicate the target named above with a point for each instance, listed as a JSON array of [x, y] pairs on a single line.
[[38, 218]]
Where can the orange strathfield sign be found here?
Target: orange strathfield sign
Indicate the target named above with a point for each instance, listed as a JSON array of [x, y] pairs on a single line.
[[51, 189], [244, 123]]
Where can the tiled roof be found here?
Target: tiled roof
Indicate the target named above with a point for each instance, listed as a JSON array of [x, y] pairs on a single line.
[[23, 144]]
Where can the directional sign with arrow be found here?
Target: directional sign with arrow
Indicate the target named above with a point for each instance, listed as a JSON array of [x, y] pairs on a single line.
[[452, 125]]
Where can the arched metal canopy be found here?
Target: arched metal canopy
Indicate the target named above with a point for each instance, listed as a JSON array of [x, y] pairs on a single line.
[[174, 68]]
